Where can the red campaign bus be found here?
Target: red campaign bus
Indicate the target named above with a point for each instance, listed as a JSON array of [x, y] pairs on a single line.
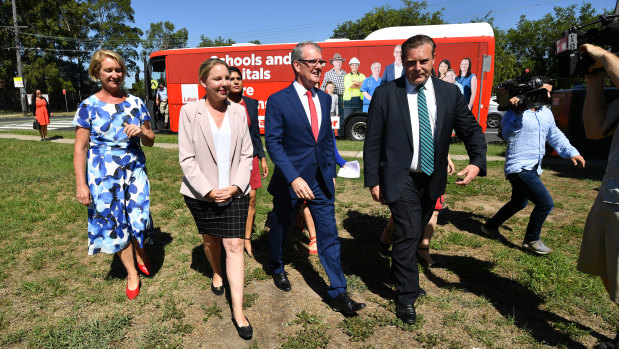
[[267, 68]]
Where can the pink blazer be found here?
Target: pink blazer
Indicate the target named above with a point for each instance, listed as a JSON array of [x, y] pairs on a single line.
[[196, 150]]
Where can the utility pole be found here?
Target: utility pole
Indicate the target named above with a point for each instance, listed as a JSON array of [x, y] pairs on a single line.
[[22, 90]]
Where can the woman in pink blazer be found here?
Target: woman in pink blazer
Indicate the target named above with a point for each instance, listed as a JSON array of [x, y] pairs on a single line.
[[215, 153]]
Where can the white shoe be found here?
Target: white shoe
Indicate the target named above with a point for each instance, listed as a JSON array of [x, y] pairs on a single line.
[[536, 246]]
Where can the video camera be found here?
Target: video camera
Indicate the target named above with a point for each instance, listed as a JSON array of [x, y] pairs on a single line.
[[527, 88], [570, 62]]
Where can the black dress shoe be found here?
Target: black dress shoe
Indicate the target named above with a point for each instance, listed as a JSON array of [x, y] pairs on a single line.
[[281, 281], [406, 313], [218, 291], [344, 304], [245, 332]]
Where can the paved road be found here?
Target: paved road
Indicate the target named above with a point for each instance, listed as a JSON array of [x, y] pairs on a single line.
[[56, 123], [64, 123]]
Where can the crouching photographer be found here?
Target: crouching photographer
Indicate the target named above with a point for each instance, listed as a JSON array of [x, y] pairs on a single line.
[[599, 252], [526, 127]]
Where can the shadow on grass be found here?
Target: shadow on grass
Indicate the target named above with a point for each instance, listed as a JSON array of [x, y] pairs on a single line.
[[155, 252], [507, 296], [295, 254], [360, 255], [594, 168], [471, 223]]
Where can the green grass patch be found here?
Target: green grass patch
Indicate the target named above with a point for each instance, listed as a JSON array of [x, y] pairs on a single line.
[[104, 333]]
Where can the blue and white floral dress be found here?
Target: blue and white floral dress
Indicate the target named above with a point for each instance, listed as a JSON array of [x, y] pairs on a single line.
[[116, 175]]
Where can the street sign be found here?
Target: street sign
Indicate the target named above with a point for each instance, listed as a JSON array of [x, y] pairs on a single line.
[[18, 81]]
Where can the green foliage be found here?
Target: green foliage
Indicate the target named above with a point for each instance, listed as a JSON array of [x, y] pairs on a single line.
[[213, 310], [412, 13], [162, 36], [71, 333], [205, 41], [531, 44], [358, 328], [249, 299]]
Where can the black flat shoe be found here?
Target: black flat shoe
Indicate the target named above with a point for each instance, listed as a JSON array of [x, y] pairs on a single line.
[[245, 332], [218, 291], [346, 305], [281, 281]]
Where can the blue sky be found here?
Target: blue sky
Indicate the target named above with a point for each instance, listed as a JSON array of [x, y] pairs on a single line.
[[298, 20], [294, 21]]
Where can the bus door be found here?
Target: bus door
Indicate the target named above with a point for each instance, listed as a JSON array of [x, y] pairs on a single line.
[[155, 73]]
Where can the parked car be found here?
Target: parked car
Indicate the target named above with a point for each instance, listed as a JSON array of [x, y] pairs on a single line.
[[494, 114]]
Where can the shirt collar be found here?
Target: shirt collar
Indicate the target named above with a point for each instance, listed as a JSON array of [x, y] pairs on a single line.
[[410, 88], [301, 91]]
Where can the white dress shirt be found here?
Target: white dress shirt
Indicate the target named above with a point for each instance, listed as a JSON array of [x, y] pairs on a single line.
[[411, 94], [397, 70], [222, 138], [302, 92]]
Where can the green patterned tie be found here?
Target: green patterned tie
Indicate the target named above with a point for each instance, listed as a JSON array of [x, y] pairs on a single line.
[[426, 145]]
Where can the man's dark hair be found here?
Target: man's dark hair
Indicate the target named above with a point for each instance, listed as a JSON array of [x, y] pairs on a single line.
[[417, 41], [234, 69]]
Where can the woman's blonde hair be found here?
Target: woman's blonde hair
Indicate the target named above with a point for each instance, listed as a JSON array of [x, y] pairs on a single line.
[[100, 56], [206, 66]]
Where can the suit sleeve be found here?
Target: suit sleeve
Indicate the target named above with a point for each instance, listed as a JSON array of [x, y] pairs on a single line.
[[383, 80], [469, 131], [274, 137], [254, 130], [338, 158], [373, 139], [187, 156]]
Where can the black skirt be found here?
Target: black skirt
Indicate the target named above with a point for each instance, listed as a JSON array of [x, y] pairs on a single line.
[[222, 221]]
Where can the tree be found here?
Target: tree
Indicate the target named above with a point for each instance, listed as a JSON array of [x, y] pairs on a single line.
[[161, 36], [218, 41], [112, 29], [532, 43], [412, 13]]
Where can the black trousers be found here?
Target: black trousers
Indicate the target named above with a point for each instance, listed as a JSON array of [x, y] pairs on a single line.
[[411, 212]]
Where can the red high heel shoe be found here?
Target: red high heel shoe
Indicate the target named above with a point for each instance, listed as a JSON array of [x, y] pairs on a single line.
[[131, 294], [144, 268]]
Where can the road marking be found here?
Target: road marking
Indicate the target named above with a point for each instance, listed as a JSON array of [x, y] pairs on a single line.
[[27, 125]]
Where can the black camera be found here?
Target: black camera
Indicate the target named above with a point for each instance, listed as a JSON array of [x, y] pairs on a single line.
[[570, 62], [528, 89]]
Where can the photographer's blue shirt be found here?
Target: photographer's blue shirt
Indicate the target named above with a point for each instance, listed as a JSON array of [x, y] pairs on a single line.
[[526, 135]]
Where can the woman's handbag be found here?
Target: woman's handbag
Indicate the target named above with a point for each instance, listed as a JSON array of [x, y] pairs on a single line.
[[35, 124]]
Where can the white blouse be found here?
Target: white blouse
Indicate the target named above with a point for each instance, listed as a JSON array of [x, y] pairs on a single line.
[[222, 138]]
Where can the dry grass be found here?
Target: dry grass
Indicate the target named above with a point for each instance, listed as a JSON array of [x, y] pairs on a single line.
[[486, 293]]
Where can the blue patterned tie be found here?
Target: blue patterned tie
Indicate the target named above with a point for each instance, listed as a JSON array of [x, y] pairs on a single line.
[[426, 144]]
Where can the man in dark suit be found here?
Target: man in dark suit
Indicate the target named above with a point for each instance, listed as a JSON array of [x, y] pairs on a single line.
[[395, 69], [299, 139], [409, 127]]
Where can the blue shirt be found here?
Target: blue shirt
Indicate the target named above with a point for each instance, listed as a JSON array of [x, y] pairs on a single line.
[[526, 135], [162, 94], [369, 85]]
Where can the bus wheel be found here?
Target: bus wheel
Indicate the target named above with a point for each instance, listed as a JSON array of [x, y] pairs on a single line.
[[355, 128]]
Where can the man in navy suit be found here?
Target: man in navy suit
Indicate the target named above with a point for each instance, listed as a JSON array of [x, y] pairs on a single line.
[[395, 69], [409, 127], [299, 139]]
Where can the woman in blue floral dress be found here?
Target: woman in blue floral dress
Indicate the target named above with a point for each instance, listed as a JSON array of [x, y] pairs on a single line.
[[109, 128]]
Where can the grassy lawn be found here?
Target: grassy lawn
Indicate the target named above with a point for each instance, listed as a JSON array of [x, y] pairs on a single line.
[[485, 293]]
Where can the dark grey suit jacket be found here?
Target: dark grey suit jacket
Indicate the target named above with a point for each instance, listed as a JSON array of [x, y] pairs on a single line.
[[388, 148]]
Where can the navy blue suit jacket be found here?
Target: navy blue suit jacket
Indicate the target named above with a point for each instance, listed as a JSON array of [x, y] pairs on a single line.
[[254, 127], [291, 145], [389, 74]]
